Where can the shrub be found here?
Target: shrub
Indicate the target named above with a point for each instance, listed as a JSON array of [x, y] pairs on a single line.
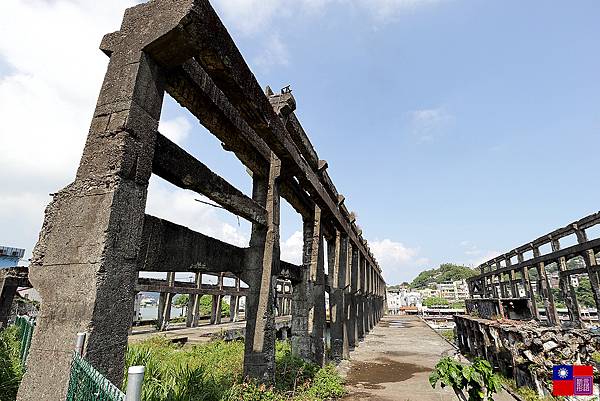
[[477, 379], [10, 364]]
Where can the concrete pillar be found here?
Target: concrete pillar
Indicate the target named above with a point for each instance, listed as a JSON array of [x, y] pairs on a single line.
[[308, 296], [337, 271], [544, 290], [360, 316], [193, 310], [351, 310], [216, 309], [262, 259], [589, 259], [566, 288], [8, 290], [84, 265], [233, 306], [165, 300]]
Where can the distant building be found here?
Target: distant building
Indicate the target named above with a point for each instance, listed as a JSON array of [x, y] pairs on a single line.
[[402, 298], [453, 291], [555, 282], [9, 257]]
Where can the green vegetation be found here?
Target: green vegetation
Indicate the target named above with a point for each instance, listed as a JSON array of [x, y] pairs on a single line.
[[527, 393], [583, 293], [446, 272], [435, 301], [213, 372], [458, 304], [10, 364], [477, 379], [181, 302], [449, 335]]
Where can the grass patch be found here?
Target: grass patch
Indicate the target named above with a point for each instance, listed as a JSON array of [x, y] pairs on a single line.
[[449, 335], [10, 364], [213, 372], [527, 393]]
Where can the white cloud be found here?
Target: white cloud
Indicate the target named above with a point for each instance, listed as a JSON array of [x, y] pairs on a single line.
[[179, 206], [291, 249], [261, 19], [475, 255], [253, 16], [384, 11], [274, 53], [249, 16], [48, 91], [176, 129], [397, 261], [428, 124]]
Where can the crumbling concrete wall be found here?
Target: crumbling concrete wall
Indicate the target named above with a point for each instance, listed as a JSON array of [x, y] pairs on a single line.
[[525, 351]]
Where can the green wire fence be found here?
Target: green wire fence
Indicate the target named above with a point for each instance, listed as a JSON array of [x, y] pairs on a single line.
[[26, 326], [87, 384]]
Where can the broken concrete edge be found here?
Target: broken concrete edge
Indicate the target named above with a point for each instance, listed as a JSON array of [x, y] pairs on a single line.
[[504, 386]]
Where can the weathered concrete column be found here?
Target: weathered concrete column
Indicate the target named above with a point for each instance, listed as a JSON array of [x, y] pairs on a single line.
[[216, 309], [308, 296], [337, 271], [165, 301], [360, 316], [193, 315], [589, 259], [262, 259], [369, 314], [233, 308], [566, 288], [529, 289], [551, 314], [514, 284], [502, 283], [8, 290], [352, 311], [85, 263]]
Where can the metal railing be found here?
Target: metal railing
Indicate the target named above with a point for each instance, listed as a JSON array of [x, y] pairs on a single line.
[[87, 384]]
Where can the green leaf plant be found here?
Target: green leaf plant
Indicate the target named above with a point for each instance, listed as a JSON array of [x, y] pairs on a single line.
[[474, 382]]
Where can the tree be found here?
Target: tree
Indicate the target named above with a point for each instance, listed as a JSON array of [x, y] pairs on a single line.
[[434, 301], [446, 272], [181, 302], [584, 293]]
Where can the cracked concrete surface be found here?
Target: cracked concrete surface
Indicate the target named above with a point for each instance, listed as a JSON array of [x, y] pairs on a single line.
[[394, 362]]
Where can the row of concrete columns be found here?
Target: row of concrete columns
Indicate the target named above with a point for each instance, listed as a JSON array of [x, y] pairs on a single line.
[[495, 286], [283, 305]]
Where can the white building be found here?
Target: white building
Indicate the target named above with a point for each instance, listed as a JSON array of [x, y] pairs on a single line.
[[403, 297], [453, 291]]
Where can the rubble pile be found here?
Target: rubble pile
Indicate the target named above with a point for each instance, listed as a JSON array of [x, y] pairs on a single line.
[[526, 350]]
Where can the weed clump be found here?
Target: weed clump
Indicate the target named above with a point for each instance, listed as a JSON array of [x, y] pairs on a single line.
[[214, 372]]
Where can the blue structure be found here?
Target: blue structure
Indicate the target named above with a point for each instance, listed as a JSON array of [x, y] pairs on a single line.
[[9, 257]]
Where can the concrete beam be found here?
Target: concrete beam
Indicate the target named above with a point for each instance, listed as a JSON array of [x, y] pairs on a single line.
[[167, 246], [183, 170]]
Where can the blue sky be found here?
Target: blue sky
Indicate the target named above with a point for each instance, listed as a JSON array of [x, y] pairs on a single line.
[[456, 129]]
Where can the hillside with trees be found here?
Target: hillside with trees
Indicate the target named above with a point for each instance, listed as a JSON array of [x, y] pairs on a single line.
[[446, 272]]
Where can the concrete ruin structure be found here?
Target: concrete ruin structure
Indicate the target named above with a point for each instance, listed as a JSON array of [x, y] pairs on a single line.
[[10, 280], [506, 323], [506, 279], [96, 237]]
